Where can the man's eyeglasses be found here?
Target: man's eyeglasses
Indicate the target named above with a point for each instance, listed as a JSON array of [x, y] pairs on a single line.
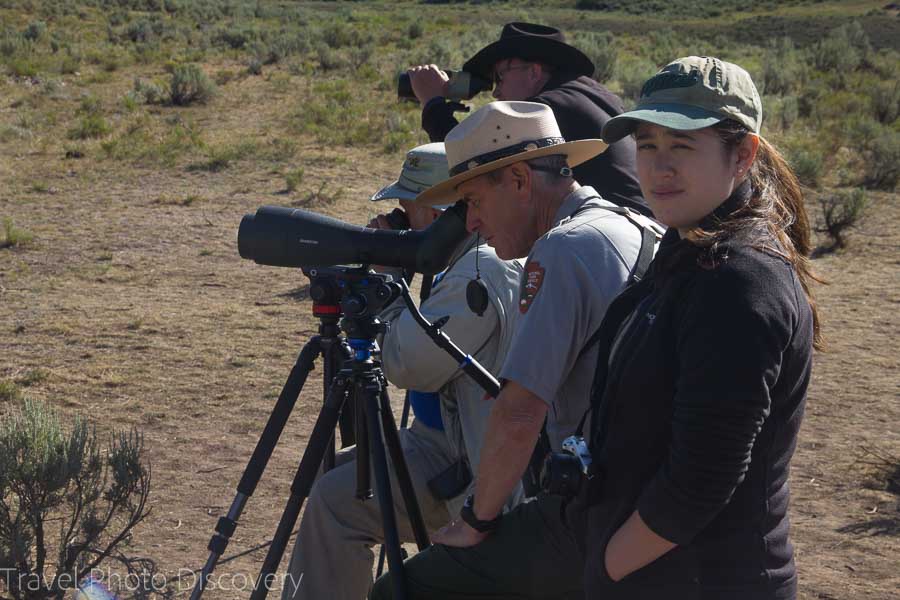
[[500, 74]]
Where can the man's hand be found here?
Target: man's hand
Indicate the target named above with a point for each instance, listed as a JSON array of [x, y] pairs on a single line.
[[458, 534], [428, 82], [379, 222]]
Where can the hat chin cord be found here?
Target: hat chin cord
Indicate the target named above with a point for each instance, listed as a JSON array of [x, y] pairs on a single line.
[[476, 290]]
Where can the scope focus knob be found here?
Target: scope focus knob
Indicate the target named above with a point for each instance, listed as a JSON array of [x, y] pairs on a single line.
[[354, 305], [317, 292], [383, 292]]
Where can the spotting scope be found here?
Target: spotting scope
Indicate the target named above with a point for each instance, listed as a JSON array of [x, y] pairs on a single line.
[[290, 237]]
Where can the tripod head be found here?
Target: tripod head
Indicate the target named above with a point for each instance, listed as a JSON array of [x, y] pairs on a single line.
[[353, 295]]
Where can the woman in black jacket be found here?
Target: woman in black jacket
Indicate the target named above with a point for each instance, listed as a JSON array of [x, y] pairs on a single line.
[[697, 408]]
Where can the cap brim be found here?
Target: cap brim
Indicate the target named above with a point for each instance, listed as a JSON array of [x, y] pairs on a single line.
[[561, 55], [681, 117], [394, 191], [575, 152]]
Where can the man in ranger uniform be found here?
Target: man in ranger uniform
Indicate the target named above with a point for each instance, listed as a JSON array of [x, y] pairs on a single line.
[[511, 165]]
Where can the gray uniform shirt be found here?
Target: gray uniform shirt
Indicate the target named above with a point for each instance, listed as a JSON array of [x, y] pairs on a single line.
[[572, 274], [412, 360]]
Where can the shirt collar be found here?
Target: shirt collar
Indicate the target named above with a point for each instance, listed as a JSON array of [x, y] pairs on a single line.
[[573, 202]]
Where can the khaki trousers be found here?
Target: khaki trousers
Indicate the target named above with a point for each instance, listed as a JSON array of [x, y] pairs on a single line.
[[333, 556]]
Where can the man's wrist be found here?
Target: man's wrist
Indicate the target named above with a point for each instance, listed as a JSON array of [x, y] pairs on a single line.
[[467, 514]]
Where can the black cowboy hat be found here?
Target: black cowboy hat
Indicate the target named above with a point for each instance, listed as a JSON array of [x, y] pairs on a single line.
[[531, 42]]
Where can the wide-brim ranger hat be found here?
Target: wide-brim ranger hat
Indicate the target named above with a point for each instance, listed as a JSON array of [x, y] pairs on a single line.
[[423, 167], [689, 94], [499, 134], [530, 42]]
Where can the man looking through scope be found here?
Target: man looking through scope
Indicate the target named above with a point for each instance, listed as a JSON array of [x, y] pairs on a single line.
[[533, 62], [512, 167], [332, 556]]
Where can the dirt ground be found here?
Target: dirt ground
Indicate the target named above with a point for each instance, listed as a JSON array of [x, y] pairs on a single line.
[[133, 297]]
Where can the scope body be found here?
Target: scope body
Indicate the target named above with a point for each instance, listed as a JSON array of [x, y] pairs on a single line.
[[288, 237]]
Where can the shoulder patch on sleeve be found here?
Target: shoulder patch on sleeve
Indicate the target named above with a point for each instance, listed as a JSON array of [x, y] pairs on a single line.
[[532, 279]]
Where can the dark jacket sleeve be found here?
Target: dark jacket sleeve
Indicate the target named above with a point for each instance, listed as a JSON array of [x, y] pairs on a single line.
[[581, 110], [438, 119], [729, 341]]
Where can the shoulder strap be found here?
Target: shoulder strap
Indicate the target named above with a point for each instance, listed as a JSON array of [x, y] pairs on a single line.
[[651, 233]]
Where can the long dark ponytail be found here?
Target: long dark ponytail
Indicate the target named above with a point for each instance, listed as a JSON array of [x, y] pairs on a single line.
[[775, 210]]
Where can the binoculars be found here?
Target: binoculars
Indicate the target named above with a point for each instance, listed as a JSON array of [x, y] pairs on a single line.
[[462, 86]]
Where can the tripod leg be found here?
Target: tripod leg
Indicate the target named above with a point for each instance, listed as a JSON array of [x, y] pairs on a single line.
[[372, 397], [258, 461], [328, 355], [392, 442], [302, 484], [363, 479]]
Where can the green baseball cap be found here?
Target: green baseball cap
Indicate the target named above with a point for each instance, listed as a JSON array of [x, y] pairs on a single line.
[[692, 93]]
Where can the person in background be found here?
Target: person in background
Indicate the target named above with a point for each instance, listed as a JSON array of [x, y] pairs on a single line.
[[533, 62]]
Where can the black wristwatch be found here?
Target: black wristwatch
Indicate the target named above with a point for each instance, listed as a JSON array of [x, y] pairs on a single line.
[[467, 514]]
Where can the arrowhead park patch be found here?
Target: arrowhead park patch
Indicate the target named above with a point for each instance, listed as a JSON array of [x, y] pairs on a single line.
[[531, 283]]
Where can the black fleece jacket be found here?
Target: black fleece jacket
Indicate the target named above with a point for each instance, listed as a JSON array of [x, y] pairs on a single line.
[[581, 107], [701, 406]]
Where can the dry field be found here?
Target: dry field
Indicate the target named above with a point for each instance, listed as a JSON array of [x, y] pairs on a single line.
[[133, 298]]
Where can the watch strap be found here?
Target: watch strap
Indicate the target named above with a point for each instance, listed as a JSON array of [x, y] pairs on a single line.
[[467, 514]]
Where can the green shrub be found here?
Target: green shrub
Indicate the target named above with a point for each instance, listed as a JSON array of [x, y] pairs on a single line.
[[69, 64], [35, 31], [92, 123], [236, 36], [415, 30], [330, 59], [189, 85], [56, 478], [885, 98], [807, 164], [843, 50], [633, 72], [221, 157], [22, 66], [861, 130], [781, 112], [13, 44], [254, 67], [140, 143], [601, 49], [841, 210], [13, 236], [882, 170], [33, 377], [783, 70], [10, 390], [148, 92], [293, 179]]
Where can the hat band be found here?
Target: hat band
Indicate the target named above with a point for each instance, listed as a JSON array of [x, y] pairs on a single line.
[[483, 159]]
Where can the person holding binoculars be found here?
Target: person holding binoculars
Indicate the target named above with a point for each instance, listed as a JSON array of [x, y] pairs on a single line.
[[332, 557], [533, 62]]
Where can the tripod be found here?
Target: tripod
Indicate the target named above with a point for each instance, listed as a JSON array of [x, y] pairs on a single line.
[[359, 389]]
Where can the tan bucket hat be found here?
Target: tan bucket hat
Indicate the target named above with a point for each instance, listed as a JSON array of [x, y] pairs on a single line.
[[499, 134]]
